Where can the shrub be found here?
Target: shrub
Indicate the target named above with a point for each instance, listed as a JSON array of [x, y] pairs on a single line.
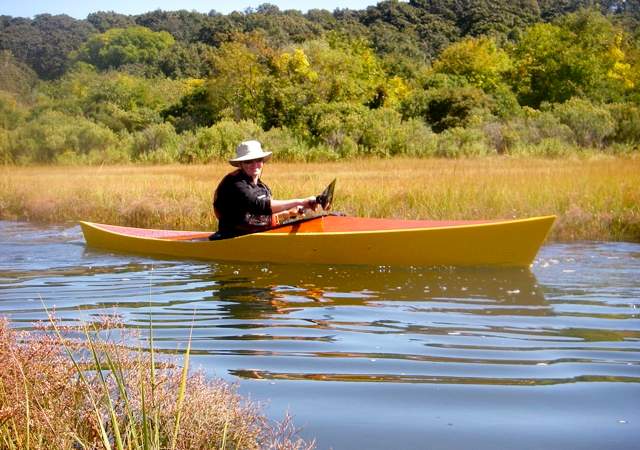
[[591, 124], [52, 133], [12, 113], [627, 122], [219, 141], [448, 107], [545, 148], [5, 151], [458, 142], [529, 130], [288, 147], [156, 143]]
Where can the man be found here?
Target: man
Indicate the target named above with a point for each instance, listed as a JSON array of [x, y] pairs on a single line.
[[242, 202]]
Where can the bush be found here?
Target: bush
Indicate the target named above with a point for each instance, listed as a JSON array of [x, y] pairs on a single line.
[[157, 143], [12, 113], [350, 130], [5, 151], [459, 142], [626, 117], [219, 141], [591, 124], [52, 133], [386, 134], [288, 147], [545, 148], [527, 131], [448, 107]]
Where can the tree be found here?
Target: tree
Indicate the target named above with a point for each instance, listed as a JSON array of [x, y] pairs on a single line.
[[583, 54], [45, 42], [118, 47], [478, 60], [15, 76], [238, 72], [105, 20]]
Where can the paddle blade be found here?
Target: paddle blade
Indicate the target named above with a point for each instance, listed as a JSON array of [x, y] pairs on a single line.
[[326, 198]]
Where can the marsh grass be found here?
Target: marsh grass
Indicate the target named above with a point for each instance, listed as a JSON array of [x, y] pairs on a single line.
[[92, 392], [593, 197]]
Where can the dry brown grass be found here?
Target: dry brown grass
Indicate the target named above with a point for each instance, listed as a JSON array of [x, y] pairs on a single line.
[[593, 198], [44, 404]]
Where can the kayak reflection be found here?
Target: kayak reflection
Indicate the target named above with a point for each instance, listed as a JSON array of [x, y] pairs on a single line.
[[256, 291]]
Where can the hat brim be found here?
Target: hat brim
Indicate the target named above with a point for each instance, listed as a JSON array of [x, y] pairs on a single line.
[[235, 162]]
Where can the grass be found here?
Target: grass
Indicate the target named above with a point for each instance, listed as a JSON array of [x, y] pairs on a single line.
[[94, 393], [594, 198]]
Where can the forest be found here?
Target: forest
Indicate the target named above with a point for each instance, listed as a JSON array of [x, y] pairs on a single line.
[[423, 78]]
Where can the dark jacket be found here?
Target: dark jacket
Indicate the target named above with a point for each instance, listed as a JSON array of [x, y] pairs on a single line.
[[240, 206]]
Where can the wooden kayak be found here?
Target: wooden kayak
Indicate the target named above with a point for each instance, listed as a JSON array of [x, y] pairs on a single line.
[[333, 239]]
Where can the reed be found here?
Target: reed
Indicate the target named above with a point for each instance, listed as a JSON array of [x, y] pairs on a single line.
[[95, 393], [593, 197]]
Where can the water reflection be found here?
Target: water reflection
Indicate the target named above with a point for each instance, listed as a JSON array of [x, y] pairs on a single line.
[[278, 288]]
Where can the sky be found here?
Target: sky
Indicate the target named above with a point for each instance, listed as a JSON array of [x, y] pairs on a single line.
[[81, 8]]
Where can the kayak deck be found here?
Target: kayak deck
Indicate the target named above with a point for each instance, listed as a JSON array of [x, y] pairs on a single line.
[[323, 224]]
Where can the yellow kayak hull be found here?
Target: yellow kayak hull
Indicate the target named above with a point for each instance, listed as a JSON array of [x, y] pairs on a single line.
[[507, 243]]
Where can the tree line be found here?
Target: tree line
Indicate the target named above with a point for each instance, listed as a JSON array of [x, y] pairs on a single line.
[[419, 78]]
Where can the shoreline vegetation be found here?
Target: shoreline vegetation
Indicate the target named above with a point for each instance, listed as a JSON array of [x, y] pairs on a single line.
[[51, 396], [595, 198], [417, 79]]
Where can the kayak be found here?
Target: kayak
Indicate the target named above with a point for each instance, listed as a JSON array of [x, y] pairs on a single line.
[[336, 239]]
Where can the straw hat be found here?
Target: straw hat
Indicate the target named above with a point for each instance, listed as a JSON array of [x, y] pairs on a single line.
[[248, 151]]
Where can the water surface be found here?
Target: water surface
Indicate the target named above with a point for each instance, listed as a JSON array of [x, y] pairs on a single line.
[[376, 357]]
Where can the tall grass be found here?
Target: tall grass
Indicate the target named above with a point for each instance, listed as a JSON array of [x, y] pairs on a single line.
[[594, 197], [92, 393]]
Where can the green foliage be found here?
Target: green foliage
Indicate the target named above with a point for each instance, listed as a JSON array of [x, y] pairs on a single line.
[[195, 109], [351, 130], [44, 42], [287, 89], [545, 148], [118, 47], [448, 107], [104, 20], [118, 100], [15, 76], [48, 136], [238, 74], [156, 143], [187, 61], [459, 142], [627, 122], [218, 141], [347, 69], [292, 148], [12, 112], [591, 124], [583, 54], [5, 150], [478, 60], [323, 85]]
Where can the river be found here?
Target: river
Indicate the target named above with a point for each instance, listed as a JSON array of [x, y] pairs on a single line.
[[375, 357]]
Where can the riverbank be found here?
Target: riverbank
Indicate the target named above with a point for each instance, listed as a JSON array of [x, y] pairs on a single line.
[[595, 198]]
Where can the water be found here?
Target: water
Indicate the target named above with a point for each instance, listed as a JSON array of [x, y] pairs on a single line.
[[376, 357]]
